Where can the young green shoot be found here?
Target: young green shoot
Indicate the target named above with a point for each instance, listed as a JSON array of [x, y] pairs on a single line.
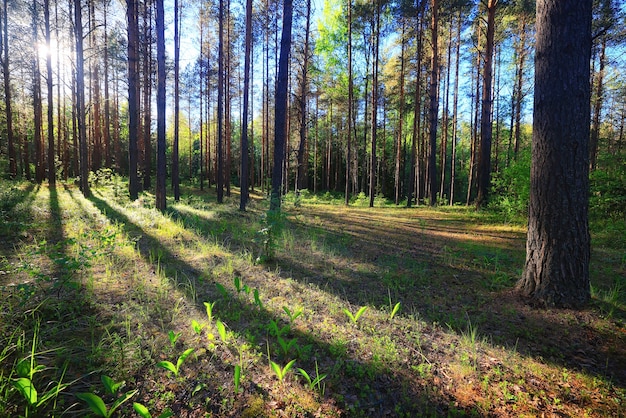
[[175, 368], [286, 346], [292, 315], [281, 372], [209, 309], [173, 336], [237, 283], [221, 330], [257, 299], [314, 383], [237, 378], [97, 405], [222, 290], [197, 327], [354, 318], [144, 413], [277, 332], [111, 387]]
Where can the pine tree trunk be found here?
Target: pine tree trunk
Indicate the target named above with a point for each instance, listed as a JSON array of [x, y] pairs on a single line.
[[161, 177], [558, 243], [243, 200], [280, 119], [434, 107], [132, 12], [4, 53], [80, 101]]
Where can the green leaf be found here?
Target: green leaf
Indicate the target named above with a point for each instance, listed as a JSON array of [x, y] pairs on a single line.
[[26, 388], [395, 310], [222, 290], [166, 414], [209, 308], [306, 376], [168, 365], [221, 329], [288, 366], [237, 282], [121, 400], [197, 327], [110, 386], [257, 299], [359, 313], [173, 336], [183, 357], [95, 403], [141, 410], [237, 377], [23, 368], [277, 370]]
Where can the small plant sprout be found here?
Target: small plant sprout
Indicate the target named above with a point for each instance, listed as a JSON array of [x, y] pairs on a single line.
[[277, 332], [144, 413], [209, 308], [97, 405], [286, 346], [221, 330], [314, 383], [292, 315], [111, 387], [237, 378], [173, 336], [222, 290], [281, 372], [257, 299], [354, 318], [393, 309], [175, 368], [237, 283], [197, 327]]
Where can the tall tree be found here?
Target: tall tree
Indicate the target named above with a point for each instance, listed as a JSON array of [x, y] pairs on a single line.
[[175, 145], [161, 177], [80, 100], [220, 107], [37, 106], [350, 105], [280, 116], [434, 105], [49, 85], [374, 127], [4, 59], [558, 243], [302, 168], [132, 12], [243, 198], [484, 160]]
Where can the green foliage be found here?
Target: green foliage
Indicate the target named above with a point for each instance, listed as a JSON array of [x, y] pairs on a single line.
[[97, 405], [175, 368], [273, 223], [281, 372], [209, 310], [511, 187], [355, 317], [314, 383], [144, 413], [608, 189], [173, 337]]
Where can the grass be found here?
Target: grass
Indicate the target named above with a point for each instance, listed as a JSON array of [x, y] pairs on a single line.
[[108, 287]]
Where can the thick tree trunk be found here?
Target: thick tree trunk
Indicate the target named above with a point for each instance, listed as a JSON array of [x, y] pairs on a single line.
[[280, 130], [434, 107], [455, 106], [37, 139], [484, 160], [175, 145], [49, 85], [376, 35], [350, 106], [80, 101], [302, 168], [132, 12], [243, 198], [558, 244], [220, 108], [4, 53], [399, 140], [161, 178]]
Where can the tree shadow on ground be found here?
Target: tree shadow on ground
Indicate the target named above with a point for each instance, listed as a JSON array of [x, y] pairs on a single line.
[[362, 387], [451, 273]]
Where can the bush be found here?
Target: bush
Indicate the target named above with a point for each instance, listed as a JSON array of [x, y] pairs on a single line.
[[511, 187]]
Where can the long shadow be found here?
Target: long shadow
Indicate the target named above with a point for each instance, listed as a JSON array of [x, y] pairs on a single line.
[[457, 295], [355, 384], [13, 225]]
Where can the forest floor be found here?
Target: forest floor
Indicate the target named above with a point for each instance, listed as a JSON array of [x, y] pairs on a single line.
[[201, 311]]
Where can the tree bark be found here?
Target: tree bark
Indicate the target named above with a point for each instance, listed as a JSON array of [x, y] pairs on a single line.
[[4, 53], [280, 118], [434, 107], [80, 101], [243, 199], [161, 178], [175, 145], [484, 160], [132, 12], [558, 243]]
